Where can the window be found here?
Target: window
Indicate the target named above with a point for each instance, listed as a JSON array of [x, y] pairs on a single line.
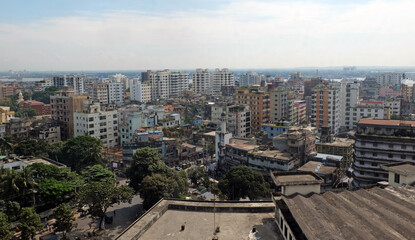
[[374, 164], [362, 162], [397, 178], [403, 146], [403, 157], [374, 154], [375, 144], [390, 145], [390, 155]]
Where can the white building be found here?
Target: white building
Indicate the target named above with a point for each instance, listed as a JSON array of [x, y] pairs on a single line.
[[75, 81], [221, 78], [166, 84], [140, 92], [248, 79], [389, 78], [115, 93], [394, 107], [349, 98], [47, 82], [98, 92], [120, 78], [201, 81], [97, 123]]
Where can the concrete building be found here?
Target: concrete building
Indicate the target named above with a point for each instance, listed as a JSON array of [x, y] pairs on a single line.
[[140, 92], [6, 91], [236, 154], [400, 173], [166, 84], [310, 83], [98, 92], [390, 78], [97, 122], [201, 81], [49, 132], [349, 98], [40, 107], [279, 105], [77, 82], [271, 160], [18, 128], [394, 107], [326, 108], [381, 142], [120, 78], [259, 105], [19, 163], [275, 129], [366, 109], [6, 114], [63, 104], [248, 79], [301, 109], [222, 138], [130, 127], [179, 82], [292, 182], [115, 93], [221, 78], [339, 147], [238, 118], [407, 92]]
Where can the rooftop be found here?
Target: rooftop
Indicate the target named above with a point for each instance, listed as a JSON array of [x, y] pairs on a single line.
[[274, 154], [318, 168], [371, 121], [213, 133], [339, 142], [403, 168], [372, 213], [246, 147], [235, 220], [291, 178]]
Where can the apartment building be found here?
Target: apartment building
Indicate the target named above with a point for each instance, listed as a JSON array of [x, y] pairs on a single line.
[[259, 105], [248, 79], [40, 107], [221, 78], [6, 91], [5, 114], [77, 82], [97, 123], [389, 78], [380, 142], [98, 92], [115, 93], [301, 109], [238, 118], [366, 109], [201, 81], [279, 105], [166, 84], [349, 98], [325, 108], [140, 92], [63, 104]]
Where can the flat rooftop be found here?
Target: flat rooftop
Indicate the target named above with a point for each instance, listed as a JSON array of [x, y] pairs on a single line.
[[274, 154], [371, 121], [339, 142], [246, 147], [373, 213], [235, 220], [291, 178], [318, 168]]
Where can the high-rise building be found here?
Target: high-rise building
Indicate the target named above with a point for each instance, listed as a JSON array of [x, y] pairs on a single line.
[[166, 84], [389, 78], [98, 92], [97, 122], [201, 81], [259, 105], [380, 142], [310, 83], [349, 98], [115, 93], [325, 108], [63, 105], [279, 106], [75, 81], [238, 118], [407, 92], [140, 92], [248, 79], [6, 91], [221, 78]]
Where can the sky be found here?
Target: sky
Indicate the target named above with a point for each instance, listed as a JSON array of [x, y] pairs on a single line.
[[159, 34]]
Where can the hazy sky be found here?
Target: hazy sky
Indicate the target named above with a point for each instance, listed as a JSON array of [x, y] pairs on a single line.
[[156, 34]]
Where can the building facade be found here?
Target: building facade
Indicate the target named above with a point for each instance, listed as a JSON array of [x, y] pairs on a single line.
[[259, 105], [326, 108], [221, 78], [201, 81], [75, 81], [140, 92]]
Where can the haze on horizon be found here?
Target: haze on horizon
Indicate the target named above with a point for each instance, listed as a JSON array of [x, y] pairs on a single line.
[[158, 34]]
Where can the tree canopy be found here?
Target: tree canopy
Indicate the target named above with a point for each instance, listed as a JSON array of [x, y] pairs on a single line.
[[29, 223], [241, 181], [5, 227], [196, 175], [33, 147], [81, 151], [97, 173], [65, 219], [44, 96]]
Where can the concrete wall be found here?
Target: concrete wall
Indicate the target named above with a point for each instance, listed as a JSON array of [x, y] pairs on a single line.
[[301, 189], [402, 179]]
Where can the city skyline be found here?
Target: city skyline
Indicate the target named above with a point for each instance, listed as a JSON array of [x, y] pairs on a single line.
[[126, 35]]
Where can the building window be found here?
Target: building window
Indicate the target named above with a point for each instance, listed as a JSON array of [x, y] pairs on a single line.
[[390, 145], [390, 155], [403, 157], [397, 178], [374, 164], [403, 146], [362, 162], [375, 144], [374, 154]]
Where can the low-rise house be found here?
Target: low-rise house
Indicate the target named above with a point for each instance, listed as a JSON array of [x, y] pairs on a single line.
[[18, 163], [292, 182], [400, 173], [271, 160]]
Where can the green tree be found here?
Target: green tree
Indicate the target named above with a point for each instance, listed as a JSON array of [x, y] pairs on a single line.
[[29, 223], [81, 151], [241, 181], [10, 180], [6, 145], [65, 219], [5, 227], [12, 210], [26, 113], [145, 162], [99, 196], [98, 173], [196, 174], [154, 188], [44, 96], [33, 147]]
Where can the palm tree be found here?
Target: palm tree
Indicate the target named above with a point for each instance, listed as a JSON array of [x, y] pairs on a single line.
[[10, 183], [26, 180], [6, 146]]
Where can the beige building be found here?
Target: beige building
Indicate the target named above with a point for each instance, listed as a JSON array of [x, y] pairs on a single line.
[[221, 78], [63, 105], [400, 173], [201, 81], [99, 92], [289, 183]]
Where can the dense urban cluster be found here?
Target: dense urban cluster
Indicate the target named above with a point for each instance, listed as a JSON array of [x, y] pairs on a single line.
[[75, 146]]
